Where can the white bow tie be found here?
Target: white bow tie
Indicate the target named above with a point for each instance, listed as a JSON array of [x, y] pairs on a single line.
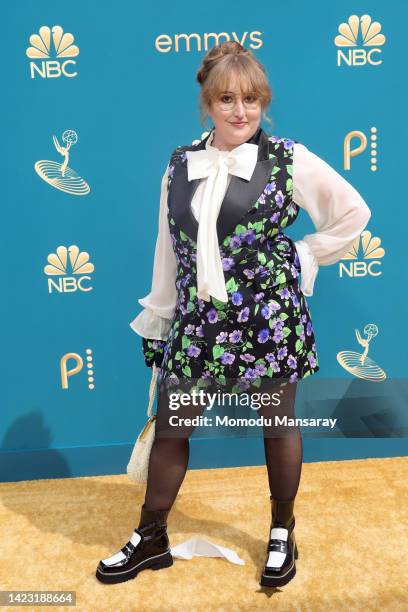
[[215, 166], [240, 161]]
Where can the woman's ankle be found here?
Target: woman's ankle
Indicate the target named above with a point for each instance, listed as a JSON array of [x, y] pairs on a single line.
[[150, 515]]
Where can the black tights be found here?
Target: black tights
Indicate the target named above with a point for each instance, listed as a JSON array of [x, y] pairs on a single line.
[[170, 452]]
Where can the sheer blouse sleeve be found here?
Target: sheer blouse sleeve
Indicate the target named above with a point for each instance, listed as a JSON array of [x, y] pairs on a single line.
[[159, 305], [337, 210]]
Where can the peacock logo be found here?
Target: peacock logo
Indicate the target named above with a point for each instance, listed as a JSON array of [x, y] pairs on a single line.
[[362, 38], [356, 142], [52, 43], [68, 370], [368, 248], [69, 268]]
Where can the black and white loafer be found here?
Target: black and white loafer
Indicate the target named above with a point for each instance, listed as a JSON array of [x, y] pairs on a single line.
[[280, 565], [148, 547], [281, 550]]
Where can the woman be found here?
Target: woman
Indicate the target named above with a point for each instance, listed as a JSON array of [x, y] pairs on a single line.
[[226, 304]]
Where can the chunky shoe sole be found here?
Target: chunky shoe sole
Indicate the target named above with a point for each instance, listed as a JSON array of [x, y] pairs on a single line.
[[157, 562], [280, 579]]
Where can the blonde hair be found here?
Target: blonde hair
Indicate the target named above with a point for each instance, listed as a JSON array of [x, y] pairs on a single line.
[[215, 71]]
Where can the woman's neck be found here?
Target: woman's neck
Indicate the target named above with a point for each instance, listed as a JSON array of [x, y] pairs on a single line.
[[223, 146]]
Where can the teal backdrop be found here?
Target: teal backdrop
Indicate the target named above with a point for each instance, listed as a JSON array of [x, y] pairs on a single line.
[[125, 87]]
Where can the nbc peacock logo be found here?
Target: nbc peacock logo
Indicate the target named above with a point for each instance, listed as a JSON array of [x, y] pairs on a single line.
[[60, 175], [68, 270], [49, 52], [360, 40], [363, 258]]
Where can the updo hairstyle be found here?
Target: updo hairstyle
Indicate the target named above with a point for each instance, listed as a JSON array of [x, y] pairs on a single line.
[[216, 68]]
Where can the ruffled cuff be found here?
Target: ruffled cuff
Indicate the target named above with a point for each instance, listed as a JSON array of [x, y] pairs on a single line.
[[309, 267], [149, 325]]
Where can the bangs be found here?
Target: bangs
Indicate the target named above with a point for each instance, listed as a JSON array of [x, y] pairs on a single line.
[[231, 72], [232, 76]]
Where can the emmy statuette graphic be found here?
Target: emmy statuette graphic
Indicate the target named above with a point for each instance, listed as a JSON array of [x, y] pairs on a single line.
[[360, 364], [61, 176]]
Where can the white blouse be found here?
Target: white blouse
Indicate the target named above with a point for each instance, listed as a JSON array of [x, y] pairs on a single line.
[[337, 210], [216, 167]]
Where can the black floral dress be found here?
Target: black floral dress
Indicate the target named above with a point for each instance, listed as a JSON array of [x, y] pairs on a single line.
[[265, 329]]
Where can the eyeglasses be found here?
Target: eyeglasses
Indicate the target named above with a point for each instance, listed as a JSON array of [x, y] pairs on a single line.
[[227, 100]]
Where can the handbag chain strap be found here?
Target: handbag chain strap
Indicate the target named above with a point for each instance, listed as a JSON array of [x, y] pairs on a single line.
[[152, 417], [152, 390]]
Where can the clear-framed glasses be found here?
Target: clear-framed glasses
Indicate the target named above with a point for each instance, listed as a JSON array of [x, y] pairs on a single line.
[[228, 99]]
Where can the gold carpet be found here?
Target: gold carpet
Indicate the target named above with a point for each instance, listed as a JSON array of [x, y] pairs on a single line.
[[351, 530]]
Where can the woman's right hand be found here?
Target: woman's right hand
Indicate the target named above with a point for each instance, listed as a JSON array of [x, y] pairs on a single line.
[[153, 351]]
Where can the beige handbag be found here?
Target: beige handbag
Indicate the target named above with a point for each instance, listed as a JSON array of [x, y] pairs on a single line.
[[138, 465]]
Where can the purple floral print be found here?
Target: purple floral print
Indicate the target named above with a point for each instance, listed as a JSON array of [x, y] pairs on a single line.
[[265, 329]]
